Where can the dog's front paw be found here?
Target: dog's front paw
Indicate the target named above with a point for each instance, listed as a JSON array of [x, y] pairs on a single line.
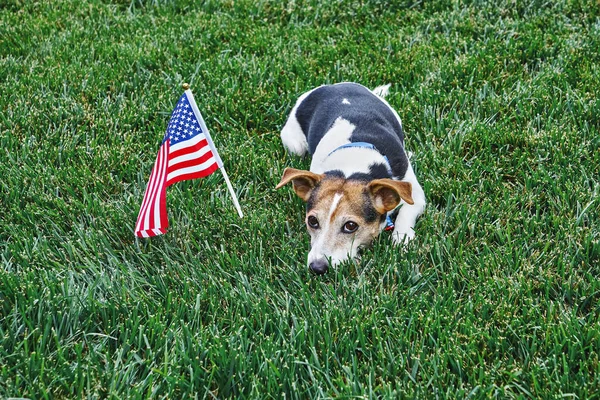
[[293, 138], [402, 238], [296, 148]]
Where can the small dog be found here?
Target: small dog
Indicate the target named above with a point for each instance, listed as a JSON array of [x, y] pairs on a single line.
[[359, 173]]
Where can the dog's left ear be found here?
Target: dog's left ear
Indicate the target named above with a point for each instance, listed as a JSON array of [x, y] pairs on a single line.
[[387, 194], [303, 181]]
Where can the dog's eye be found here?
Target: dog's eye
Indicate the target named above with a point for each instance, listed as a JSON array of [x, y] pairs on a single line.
[[350, 227], [313, 222]]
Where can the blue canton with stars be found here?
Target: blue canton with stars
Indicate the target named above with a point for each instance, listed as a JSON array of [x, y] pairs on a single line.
[[183, 124]]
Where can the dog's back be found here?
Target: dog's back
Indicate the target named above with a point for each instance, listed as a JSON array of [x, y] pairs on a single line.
[[373, 120]]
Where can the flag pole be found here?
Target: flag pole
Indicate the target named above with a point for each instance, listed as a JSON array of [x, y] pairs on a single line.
[[231, 191], [186, 87]]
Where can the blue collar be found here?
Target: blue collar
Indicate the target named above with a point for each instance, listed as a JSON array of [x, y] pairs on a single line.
[[363, 145]]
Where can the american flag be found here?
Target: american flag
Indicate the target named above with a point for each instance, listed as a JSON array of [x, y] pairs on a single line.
[[186, 152]]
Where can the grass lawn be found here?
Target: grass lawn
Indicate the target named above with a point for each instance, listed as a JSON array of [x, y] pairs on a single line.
[[498, 296]]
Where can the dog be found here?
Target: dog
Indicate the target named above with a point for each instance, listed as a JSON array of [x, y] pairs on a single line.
[[359, 175]]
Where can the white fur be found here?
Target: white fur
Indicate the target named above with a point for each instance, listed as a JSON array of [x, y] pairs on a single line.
[[338, 135], [334, 256], [382, 91], [350, 160], [321, 248], [292, 137], [336, 201], [408, 214], [323, 245]]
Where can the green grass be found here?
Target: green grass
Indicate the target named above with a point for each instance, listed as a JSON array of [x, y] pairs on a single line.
[[499, 295]]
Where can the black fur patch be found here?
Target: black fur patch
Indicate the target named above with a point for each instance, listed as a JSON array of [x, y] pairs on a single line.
[[379, 171], [375, 122], [360, 176], [369, 210], [334, 173], [310, 203]]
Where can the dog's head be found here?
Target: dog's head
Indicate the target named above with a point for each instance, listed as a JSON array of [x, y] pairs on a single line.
[[343, 215]]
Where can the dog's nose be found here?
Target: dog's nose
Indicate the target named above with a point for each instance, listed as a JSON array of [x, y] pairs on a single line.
[[319, 267]]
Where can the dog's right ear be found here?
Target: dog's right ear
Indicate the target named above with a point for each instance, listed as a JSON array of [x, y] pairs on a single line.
[[387, 193], [302, 181]]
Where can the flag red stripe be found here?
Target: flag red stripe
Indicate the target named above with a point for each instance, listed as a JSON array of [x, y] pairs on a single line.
[[200, 174], [190, 163], [145, 201], [189, 149], [195, 155], [141, 224], [164, 221], [150, 232], [153, 211], [190, 170], [149, 213], [159, 207]]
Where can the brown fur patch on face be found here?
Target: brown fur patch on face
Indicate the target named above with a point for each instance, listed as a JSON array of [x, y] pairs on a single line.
[[355, 197], [335, 202]]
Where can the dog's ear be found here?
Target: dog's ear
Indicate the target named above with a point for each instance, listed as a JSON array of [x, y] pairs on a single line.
[[388, 192], [302, 181]]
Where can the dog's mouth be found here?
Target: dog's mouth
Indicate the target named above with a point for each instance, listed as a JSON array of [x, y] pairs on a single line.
[[323, 265], [359, 252]]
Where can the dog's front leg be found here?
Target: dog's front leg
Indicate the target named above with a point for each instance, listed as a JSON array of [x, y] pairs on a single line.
[[408, 214]]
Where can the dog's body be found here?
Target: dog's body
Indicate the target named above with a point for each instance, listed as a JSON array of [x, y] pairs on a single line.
[[360, 171]]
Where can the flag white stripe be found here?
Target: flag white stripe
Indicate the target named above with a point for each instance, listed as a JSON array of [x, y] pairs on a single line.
[[155, 185], [148, 195], [189, 157], [144, 201], [187, 143], [149, 189], [158, 196], [189, 170]]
